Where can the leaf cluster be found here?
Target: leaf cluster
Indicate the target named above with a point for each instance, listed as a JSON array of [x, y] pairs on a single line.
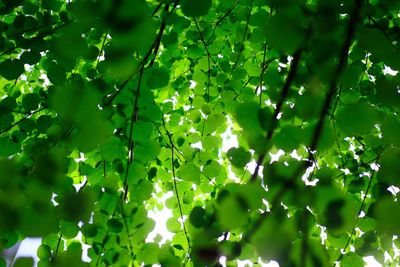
[[112, 110]]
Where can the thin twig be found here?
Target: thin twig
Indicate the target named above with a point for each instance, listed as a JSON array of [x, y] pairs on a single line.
[[131, 144], [361, 207], [177, 193], [226, 14], [58, 243], [34, 28], [384, 33], [317, 132], [274, 122], [205, 44], [143, 62], [157, 43], [244, 37], [263, 67], [20, 121], [127, 229], [102, 48]]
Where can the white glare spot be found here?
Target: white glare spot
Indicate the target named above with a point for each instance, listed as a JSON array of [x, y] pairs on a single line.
[[393, 189], [192, 84], [160, 217], [371, 262], [197, 145], [276, 156], [388, 70], [374, 166]]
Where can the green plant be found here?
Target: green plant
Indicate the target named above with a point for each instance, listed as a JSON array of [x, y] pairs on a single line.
[[104, 104]]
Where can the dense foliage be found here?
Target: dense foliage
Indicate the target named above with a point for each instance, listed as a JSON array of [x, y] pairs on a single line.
[[108, 105]]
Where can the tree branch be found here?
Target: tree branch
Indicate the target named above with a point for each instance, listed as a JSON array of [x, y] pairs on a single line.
[[274, 122], [176, 190], [20, 121], [361, 207], [226, 14], [317, 132], [205, 44], [143, 62], [244, 37], [131, 144]]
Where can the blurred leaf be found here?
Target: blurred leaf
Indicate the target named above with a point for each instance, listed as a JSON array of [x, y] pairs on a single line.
[[193, 8], [198, 217], [11, 69], [189, 172], [238, 156], [387, 213], [8, 147], [24, 262]]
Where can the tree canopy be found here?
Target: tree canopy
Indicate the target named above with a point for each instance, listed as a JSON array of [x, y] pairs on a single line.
[[107, 106]]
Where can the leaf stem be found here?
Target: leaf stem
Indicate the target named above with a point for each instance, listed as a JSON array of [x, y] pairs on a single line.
[[131, 143], [177, 192]]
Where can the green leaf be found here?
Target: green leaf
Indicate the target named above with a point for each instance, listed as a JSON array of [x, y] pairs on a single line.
[[212, 169], [387, 91], [44, 252], [69, 229], [189, 172], [143, 190], [210, 142], [24, 262], [284, 33], [194, 8], [31, 57], [379, 45], [142, 131], [114, 225], [145, 152], [11, 69], [213, 123], [387, 212], [149, 253], [198, 217], [247, 115], [122, 84], [356, 119], [289, 138], [173, 225], [112, 149], [8, 103], [56, 74], [158, 78], [238, 156], [43, 123], [232, 212], [89, 230], [30, 102], [167, 257], [389, 170], [137, 172], [390, 129], [8, 147]]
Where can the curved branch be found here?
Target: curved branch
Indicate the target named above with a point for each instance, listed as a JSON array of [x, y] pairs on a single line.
[[177, 192], [20, 121], [205, 44], [226, 14], [361, 207], [131, 144], [317, 132], [284, 93], [152, 50], [244, 37]]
